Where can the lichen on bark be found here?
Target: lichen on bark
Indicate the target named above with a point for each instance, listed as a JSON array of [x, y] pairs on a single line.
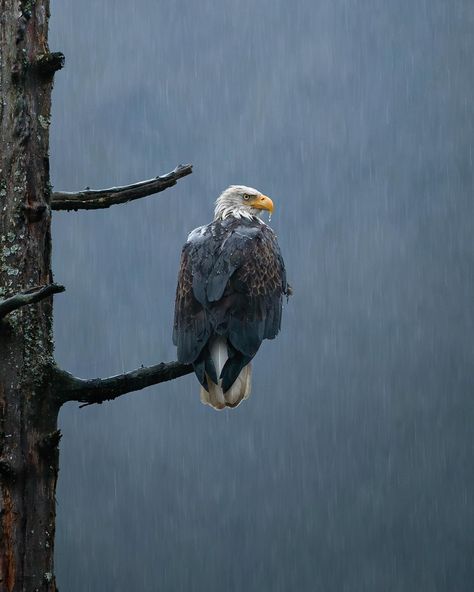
[[28, 414]]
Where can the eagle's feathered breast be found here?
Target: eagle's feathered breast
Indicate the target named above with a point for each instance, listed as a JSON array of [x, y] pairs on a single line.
[[231, 284]]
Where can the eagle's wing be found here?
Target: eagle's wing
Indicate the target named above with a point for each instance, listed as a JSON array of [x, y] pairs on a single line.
[[191, 329], [251, 303]]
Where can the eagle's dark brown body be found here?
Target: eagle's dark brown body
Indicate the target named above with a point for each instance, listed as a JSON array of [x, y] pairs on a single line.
[[230, 287]]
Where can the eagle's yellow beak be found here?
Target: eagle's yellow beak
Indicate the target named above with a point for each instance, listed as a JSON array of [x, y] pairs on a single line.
[[262, 202]]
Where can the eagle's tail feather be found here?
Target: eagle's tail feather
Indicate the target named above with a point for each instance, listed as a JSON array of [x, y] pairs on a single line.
[[240, 389]]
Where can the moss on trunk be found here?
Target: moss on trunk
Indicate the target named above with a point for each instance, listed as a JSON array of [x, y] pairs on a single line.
[[28, 414]]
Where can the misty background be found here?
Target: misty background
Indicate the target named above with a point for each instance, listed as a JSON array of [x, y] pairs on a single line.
[[350, 468]]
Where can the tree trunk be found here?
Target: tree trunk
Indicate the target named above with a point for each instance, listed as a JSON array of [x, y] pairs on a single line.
[[28, 411]]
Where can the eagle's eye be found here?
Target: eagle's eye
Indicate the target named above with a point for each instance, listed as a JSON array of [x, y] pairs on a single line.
[[247, 197]]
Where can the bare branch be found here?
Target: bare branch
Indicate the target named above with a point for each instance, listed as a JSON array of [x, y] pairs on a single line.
[[98, 390], [94, 199], [28, 297], [49, 63]]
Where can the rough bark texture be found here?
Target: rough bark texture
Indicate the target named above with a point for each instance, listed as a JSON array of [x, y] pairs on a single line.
[[28, 412]]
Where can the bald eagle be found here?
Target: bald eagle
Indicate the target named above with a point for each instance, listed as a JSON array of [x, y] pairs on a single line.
[[229, 296]]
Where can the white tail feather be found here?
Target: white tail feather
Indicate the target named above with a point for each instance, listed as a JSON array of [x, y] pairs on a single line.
[[239, 391], [219, 354]]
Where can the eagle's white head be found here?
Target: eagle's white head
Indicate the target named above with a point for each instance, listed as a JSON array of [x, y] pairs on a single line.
[[240, 201]]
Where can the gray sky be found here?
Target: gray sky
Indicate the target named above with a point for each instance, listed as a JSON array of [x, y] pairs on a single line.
[[350, 467]]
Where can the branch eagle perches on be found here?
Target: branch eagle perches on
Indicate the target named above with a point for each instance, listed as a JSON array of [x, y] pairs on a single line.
[[94, 199], [98, 390]]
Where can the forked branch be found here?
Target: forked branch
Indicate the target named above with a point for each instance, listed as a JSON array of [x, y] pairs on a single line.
[[94, 199], [28, 297], [98, 390]]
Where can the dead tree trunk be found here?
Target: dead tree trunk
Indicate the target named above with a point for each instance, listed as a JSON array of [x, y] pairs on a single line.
[[32, 389], [28, 412]]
